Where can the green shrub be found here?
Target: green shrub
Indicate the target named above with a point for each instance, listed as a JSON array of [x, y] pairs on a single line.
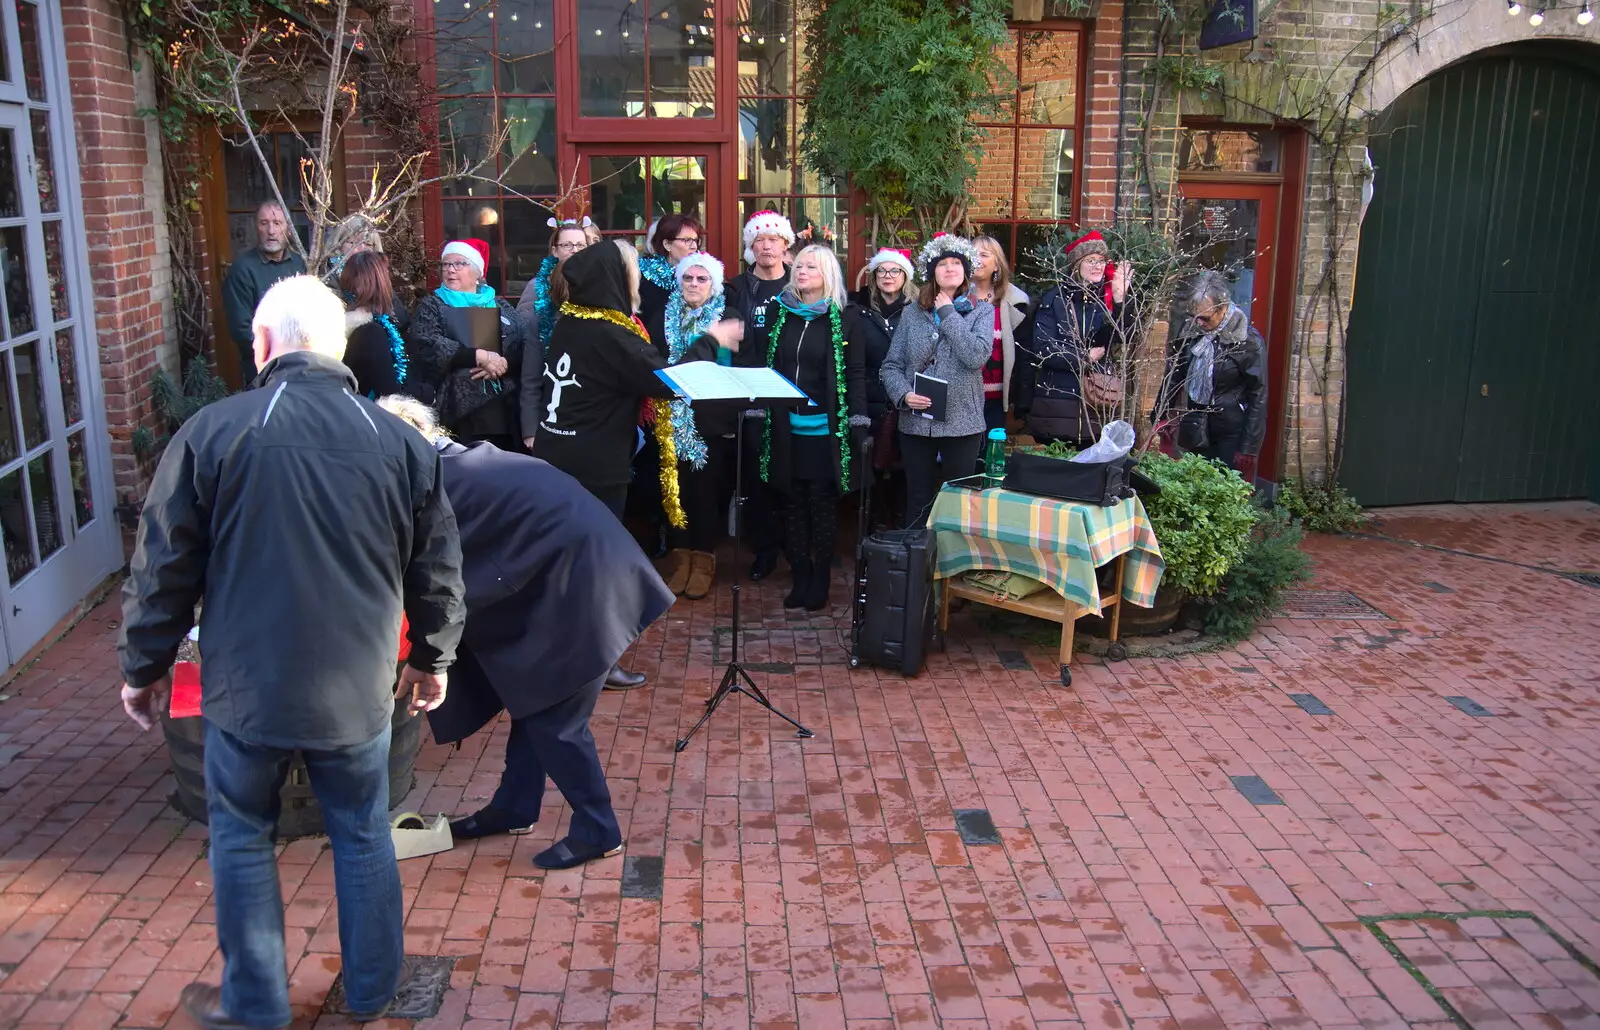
[[177, 403], [1271, 563], [1321, 509], [1202, 519]]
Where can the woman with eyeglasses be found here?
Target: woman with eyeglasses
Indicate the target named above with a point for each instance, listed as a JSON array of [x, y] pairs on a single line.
[[1216, 379], [991, 282], [540, 306], [1075, 331], [466, 348], [877, 308], [675, 238], [703, 435]]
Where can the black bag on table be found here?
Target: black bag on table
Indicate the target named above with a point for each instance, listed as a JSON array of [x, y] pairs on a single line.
[[1099, 482]]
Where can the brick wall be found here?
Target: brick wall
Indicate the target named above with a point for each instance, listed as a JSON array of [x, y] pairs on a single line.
[[124, 222]]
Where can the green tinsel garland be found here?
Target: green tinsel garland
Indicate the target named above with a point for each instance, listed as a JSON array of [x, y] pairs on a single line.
[[842, 414]]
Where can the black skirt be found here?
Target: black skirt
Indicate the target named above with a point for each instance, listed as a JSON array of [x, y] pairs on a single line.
[[813, 457]]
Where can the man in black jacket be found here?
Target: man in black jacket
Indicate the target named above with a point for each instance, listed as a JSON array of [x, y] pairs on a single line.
[[308, 518], [252, 274], [556, 591]]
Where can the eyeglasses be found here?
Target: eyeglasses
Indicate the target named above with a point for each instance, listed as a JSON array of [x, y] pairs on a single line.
[[569, 247], [455, 266], [1095, 259], [692, 242], [892, 273], [703, 279]]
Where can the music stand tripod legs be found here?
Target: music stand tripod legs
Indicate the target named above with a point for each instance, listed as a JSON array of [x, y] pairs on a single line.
[[735, 680]]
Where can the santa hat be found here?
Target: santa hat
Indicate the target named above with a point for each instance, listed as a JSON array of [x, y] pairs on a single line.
[[901, 259], [701, 259], [945, 245], [475, 251], [1085, 246], [765, 223]]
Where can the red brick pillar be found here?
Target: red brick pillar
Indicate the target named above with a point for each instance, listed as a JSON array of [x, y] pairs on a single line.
[[1099, 147], [119, 160]]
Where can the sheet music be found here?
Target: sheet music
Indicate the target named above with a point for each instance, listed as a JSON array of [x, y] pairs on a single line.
[[709, 381]]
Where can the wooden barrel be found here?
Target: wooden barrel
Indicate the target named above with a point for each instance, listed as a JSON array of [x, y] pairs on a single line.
[[300, 815]]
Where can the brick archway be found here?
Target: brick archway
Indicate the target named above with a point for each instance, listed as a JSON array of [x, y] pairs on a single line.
[[1462, 29]]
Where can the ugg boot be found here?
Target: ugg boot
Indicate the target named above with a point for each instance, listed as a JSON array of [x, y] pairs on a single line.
[[674, 569], [702, 573], [821, 579], [803, 572]]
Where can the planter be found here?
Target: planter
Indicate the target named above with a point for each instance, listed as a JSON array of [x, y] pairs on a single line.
[[1162, 616], [300, 814]]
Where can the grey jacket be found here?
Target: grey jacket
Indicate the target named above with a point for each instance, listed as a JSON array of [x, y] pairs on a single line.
[[952, 347]]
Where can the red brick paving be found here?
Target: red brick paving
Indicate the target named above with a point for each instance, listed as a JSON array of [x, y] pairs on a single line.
[[823, 883]]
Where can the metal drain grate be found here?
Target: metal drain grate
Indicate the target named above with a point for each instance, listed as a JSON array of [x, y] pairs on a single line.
[[1588, 579], [1327, 604], [420, 997]]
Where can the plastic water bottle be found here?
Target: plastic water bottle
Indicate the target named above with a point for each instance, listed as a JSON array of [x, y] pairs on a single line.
[[994, 458]]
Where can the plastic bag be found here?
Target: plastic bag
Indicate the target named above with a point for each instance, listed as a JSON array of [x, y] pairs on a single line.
[[1116, 440]]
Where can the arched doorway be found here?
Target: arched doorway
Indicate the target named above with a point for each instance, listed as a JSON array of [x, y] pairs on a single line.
[[1474, 345]]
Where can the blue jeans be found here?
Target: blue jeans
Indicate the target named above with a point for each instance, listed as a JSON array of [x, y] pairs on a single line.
[[352, 786]]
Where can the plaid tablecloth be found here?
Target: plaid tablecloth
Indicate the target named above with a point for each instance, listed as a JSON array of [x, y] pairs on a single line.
[[1059, 543]]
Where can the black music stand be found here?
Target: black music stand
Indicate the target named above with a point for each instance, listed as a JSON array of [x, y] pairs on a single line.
[[735, 680]]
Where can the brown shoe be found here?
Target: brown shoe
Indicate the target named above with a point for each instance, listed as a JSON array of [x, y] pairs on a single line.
[[702, 573], [674, 568]]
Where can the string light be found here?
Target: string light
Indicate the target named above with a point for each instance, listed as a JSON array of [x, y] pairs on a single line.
[[1513, 8], [1586, 15], [1536, 18]]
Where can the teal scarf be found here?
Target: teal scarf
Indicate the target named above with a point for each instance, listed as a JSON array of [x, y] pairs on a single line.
[[484, 298], [791, 301]]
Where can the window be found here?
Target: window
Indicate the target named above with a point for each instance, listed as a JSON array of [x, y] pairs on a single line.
[[246, 186], [771, 110], [1027, 182], [646, 58], [495, 67]]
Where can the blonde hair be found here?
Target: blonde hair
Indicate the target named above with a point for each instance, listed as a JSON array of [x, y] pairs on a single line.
[[301, 313], [630, 260], [1002, 270], [832, 274], [415, 414]]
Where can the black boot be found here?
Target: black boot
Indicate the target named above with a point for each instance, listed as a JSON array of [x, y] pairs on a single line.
[[763, 566], [801, 591], [821, 579]]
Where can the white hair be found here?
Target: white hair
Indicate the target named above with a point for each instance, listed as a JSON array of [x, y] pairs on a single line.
[[700, 259], [832, 274], [300, 313], [415, 414]]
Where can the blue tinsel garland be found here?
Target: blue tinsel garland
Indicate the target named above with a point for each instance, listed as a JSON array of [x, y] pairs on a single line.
[[691, 447], [397, 347], [658, 270], [541, 300]]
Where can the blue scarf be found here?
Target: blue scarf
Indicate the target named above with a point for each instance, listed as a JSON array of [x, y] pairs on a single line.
[[682, 329], [795, 306], [484, 298], [658, 270], [541, 300]]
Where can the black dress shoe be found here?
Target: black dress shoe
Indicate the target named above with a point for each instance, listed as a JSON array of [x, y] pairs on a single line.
[[567, 853], [489, 821], [203, 1003], [763, 566], [621, 679]]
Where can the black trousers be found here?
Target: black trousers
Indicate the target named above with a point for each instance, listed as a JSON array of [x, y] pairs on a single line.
[[763, 506], [557, 743], [704, 494], [930, 462], [811, 521], [614, 497]]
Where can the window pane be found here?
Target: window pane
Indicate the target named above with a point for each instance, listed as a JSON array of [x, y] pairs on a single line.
[[10, 197], [1008, 56], [466, 132], [1031, 239], [525, 36], [527, 233], [462, 47], [531, 142], [55, 267], [44, 162], [30, 395], [809, 182], [677, 186], [997, 173], [1044, 173], [32, 66], [831, 212], [766, 50], [67, 369], [477, 219], [1049, 78], [8, 429], [682, 70], [14, 526], [797, 51], [1219, 150], [765, 146], [611, 58], [616, 193], [46, 513], [5, 56], [14, 269], [78, 468]]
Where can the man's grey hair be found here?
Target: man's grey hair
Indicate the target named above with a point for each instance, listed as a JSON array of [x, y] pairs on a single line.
[[415, 414], [1209, 289], [300, 313], [272, 204]]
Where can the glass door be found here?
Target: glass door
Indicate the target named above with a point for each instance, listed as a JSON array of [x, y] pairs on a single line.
[[1233, 228], [630, 186]]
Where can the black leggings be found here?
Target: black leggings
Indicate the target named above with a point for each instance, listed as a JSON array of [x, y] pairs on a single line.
[[704, 494], [925, 473], [811, 521]]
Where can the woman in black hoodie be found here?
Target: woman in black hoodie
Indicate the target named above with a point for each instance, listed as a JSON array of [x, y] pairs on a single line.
[[876, 311]]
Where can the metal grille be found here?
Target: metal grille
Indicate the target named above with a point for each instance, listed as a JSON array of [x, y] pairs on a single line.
[[1327, 604], [1588, 579]]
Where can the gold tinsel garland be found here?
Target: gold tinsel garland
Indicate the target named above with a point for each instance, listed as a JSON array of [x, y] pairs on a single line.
[[671, 502]]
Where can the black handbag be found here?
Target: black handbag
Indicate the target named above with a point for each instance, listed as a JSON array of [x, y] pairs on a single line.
[[1099, 482]]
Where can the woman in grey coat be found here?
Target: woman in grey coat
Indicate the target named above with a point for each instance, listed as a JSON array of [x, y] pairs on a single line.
[[948, 336]]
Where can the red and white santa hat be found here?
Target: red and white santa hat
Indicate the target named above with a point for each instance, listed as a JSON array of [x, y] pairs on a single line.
[[475, 252], [895, 256], [765, 223]]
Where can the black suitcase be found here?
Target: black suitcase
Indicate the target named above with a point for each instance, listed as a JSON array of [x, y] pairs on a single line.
[[892, 605]]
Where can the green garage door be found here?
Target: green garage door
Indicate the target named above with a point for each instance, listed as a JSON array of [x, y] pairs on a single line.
[[1474, 346]]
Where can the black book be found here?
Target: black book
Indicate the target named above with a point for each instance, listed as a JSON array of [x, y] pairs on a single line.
[[936, 390]]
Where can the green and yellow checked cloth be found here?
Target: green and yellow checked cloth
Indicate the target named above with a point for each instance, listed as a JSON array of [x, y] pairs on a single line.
[[1059, 543]]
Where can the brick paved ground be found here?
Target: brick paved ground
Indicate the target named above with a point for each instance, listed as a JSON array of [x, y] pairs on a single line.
[[824, 883]]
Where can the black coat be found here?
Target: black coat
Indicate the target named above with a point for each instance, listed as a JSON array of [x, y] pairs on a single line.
[[1238, 397], [756, 301], [1053, 352], [598, 373], [369, 353], [441, 365], [556, 588], [308, 517], [873, 329], [811, 366]]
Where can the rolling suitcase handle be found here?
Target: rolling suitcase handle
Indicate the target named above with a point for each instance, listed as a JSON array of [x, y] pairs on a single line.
[[858, 595]]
